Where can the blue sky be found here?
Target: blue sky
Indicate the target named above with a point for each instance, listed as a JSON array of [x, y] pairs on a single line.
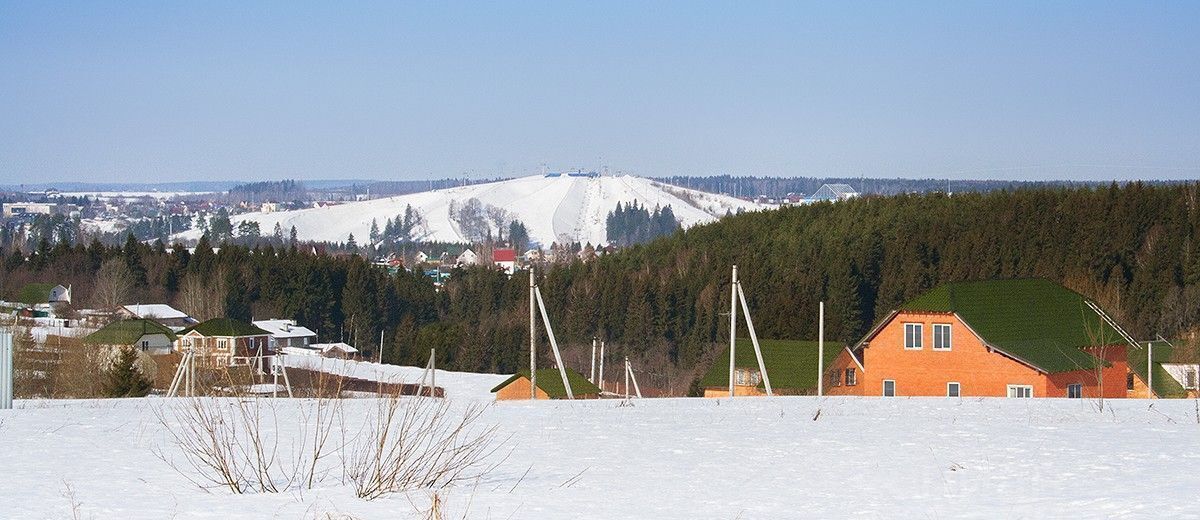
[[157, 91]]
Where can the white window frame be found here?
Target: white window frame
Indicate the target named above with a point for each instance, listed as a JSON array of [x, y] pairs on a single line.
[[851, 376], [957, 389], [1077, 389], [222, 344], [949, 334], [918, 330], [885, 387], [1017, 389]]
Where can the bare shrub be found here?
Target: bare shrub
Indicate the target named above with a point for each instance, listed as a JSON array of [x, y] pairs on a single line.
[[413, 443]]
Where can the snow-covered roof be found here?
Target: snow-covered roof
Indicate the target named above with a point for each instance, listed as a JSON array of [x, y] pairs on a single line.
[[326, 347], [155, 310], [284, 328]]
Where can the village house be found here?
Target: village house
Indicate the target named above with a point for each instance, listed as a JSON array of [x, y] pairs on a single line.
[[286, 333], [59, 295], [225, 342], [549, 386], [791, 366], [162, 313], [145, 335], [505, 259], [1014, 338], [1175, 372], [467, 257]]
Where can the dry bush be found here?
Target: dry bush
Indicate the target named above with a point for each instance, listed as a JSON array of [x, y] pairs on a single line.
[[413, 443]]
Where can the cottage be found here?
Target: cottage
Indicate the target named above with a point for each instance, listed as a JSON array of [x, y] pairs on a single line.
[[1175, 373], [505, 259], [791, 366], [162, 313], [467, 257], [225, 341], [1014, 338], [59, 295], [549, 386], [286, 333], [144, 335]]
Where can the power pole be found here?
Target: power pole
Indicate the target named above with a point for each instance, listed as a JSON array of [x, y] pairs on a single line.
[[593, 372], [821, 350], [601, 366], [732, 326], [532, 341]]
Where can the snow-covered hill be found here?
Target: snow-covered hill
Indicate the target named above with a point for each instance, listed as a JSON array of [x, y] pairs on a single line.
[[552, 208]]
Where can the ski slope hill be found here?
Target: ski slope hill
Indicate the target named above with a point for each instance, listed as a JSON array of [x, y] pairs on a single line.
[[552, 208]]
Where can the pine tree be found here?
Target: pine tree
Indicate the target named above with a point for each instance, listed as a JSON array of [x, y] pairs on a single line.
[[123, 379]]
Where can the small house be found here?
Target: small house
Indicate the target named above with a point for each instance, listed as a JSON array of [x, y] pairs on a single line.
[[286, 333], [791, 366], [505, 259], [145, 335], [59, 295], [467, 257], [549, 386], [1175, 376], [225, 341], [162, 313]]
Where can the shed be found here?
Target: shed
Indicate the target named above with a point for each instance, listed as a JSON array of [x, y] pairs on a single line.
[[549, 386]]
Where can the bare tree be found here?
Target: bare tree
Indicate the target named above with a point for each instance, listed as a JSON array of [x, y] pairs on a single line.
[[203, 298], [114, 283]]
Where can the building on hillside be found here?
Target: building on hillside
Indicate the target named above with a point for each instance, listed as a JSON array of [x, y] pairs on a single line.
[[549, 386], [225, 342], [419, 258], [269, 207], [1174, 375], [16, 209], [286, 333], [505, 259], [337, 350], [162, 313], [145, 335], [1014, 338], [791, 366], [831, 193], [467, 257], [59, 295]]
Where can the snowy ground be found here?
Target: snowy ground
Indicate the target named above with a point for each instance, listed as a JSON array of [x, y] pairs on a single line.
[[674, 458], [550, 207]]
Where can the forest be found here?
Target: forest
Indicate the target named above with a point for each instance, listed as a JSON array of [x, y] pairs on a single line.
[[1132, 248]]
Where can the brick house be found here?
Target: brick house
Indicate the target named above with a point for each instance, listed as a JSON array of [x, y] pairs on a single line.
[[222, 341], [1014, 338]]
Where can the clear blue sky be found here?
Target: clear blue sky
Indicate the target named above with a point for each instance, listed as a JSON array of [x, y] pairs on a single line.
[[166, 90]]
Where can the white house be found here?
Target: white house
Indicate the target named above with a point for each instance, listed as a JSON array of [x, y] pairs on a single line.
[[831, 193], [467, 257], [286, 333], [60, 294], [1187, 374]]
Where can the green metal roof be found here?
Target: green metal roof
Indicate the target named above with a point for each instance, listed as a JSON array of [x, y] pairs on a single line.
[[127, 332], [550, 381], [1037, 321], [225, 327], [1164, 384], [791, 364]]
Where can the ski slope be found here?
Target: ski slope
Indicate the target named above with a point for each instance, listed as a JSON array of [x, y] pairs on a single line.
[[552, 209], [747, 458]]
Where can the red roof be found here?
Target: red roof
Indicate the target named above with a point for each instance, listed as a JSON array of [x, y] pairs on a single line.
[[504, 255]]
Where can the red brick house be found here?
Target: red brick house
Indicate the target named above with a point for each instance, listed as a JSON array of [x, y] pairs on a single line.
[[1014, 338]]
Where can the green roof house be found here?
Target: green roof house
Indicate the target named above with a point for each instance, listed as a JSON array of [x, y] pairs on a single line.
[[225, 341], [1014, 338], [145, 335], [791, 366], [549, 386]]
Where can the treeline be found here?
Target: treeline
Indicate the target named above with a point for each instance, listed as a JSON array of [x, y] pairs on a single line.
[[749, 186], [632, 223]]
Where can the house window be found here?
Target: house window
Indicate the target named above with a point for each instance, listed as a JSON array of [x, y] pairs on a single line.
[[222, 344], [952, 389], [145, 345], [941, 336], [1020, 391], [835, 378], [1129, 381], [1074, 391], [912, 336], [1189, 379], [889, 388], [851, 377]]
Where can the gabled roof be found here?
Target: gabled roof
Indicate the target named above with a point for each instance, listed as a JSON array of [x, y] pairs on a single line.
[[504, 255], [550, 381], [1036, 321], [791, 364], [225, 327], [127, 332], [1164, 384]]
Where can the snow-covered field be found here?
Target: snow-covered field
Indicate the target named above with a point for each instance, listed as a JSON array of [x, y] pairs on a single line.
[[550, 208], [671, 458]]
